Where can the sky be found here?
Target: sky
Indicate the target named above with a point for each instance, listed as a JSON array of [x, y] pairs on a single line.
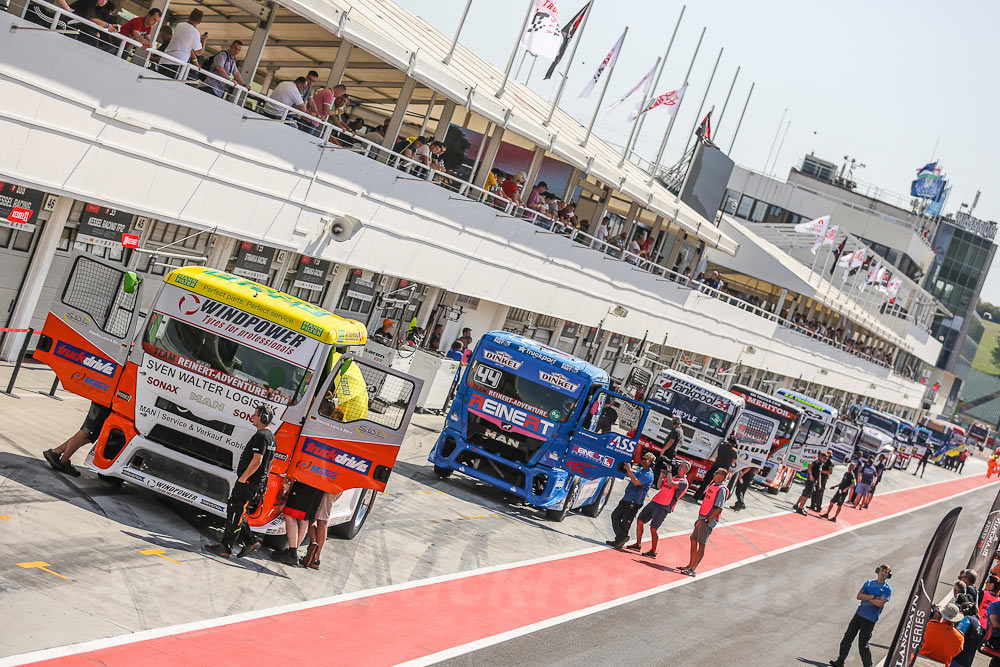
[[891, 84]]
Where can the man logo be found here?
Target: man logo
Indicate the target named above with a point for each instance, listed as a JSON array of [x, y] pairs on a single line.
[[189, 304], [507, 427]]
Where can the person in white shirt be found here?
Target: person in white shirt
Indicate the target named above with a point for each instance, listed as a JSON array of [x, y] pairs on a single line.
[[601, 234], [185, 44], [288, 93]]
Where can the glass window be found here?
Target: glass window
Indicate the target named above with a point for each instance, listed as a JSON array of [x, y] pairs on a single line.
[[22, 241], [5, 235], [759, 211], [746, 204], [366, 393]]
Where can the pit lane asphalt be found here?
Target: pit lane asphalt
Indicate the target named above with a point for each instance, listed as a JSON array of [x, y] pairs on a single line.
[[422, 527], [789, 609]]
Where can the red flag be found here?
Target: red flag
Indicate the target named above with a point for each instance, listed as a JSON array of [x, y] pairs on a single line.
[[704, 131]]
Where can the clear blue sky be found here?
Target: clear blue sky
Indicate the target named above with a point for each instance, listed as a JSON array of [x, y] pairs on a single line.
[[882, 82]]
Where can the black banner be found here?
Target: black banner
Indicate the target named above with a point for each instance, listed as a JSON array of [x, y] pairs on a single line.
[[19, 206], [986, 545], [254, 261], [909, 635], [570, 331], [312, 273], [103, 226]]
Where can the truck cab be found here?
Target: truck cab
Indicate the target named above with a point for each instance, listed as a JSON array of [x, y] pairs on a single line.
[[540, 424], [888, 426], [817, 428], [773, 475]]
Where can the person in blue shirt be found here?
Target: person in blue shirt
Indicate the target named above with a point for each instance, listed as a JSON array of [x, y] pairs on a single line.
[[631, 502], [874, 595], [992, 630]]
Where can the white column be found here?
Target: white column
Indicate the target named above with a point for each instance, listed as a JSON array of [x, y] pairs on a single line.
[[34, 279], [222, 252], [256, 48], [396, 120], [447, 113], [336, 286], [533, 167], [489, 155], [339, 64]]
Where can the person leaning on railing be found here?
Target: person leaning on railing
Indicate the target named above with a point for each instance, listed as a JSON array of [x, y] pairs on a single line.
[[288, 93], [186, 45], [223, 64], [141, 28], [98, 12]]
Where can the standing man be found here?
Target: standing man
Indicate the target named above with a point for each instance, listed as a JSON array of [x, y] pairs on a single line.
[[465, 339], [186, 45], [635, 495], [922, 462], [59, 457], [708, 517], [675, 438], [224, 64], [942, 640], [824, 477], [723, 461], [813, 471], [662, 504], [866, 478], [874, 595], [843, 492], [251, 478], [742, 486]]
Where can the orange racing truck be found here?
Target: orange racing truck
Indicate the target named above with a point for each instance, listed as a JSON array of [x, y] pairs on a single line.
[[184, 381]]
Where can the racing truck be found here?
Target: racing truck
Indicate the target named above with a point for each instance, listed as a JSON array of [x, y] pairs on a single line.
[[888, 426], [774, 475], [183, 382], [539, 424]]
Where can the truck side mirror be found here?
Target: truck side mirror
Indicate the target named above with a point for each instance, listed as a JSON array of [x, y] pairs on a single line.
[[130, 281]]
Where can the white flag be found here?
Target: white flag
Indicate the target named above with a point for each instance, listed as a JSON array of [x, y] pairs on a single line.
[[817, 226], [608, 62], [873, 275], [644, 83], [823, 233], [893, 288], [855, 259], [671, 99], [543, 35]]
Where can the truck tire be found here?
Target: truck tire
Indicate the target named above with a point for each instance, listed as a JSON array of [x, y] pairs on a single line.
[[560, 514], [443, 473], [595, 508], [348, 530], [112, 482]]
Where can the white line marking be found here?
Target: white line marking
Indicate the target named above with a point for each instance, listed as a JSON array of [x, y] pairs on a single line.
[[156, 633]]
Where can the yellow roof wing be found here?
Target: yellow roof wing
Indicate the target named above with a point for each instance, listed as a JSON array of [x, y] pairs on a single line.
[[269, 304]]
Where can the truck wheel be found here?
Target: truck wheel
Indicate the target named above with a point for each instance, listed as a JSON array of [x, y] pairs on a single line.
[[348, 530], [113, 482], [560, 514], [443, 473], [595, 508]]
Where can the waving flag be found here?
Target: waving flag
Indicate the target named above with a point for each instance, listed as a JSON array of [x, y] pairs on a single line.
[[671, 100], [609, 61], [837, 252], [542, 36], [704, 131], [827, 237], [928, 184], [874, 275], [567, 34], [644, 83], [892, 289], [817, 226]]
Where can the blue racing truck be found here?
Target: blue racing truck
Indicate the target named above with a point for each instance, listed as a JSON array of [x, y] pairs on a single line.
[[539, 424]]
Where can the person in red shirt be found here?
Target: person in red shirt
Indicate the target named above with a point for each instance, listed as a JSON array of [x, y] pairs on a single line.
[[512, 186], [662, 504], [141, 28], [942, 640]]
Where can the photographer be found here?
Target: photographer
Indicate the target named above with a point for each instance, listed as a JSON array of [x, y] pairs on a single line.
[[663, 503], [724, 458], [874, 595], [635, 495]]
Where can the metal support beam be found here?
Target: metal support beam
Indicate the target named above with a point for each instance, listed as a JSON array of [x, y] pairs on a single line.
[[261, 10], [255, 50], [441, 131], [396, 120], [571, 184], [339, 64], [533, 167], [489, 155]]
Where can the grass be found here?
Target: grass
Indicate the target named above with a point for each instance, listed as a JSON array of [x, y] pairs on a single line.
[[984, 355]]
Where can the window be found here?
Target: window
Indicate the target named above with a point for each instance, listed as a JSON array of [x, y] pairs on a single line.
[[609, 414], [366, 393], [759, 211], [746, 204], [22, 241]]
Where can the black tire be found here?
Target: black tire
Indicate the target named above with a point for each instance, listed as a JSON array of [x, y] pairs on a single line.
[[773, 490], [274, 542], [443, 473], [113, 482], [560, 514], [350, 529], [595, 508]]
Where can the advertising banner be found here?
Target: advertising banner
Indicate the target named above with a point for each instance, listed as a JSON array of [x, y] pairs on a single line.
[[19, 206], [103, 226], [254, 261], [311, 274], [986, 545]]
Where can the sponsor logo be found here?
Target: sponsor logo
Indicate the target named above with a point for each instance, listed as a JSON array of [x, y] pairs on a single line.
[[171, 490], [205, 400], [369, 431], [76, 318], [160, 384], [280, 456], [86, 359], [211, 505], [507, 427], [122, 395], [538, 355], [318, 470], [509, 415], [322, 450], [187, 281], [189, 304], [581, 468], [623, 445], [558, 380], [134, 475], [18, 214], [502, 438], [501, 358], [311, 328], [83, 378], [600, 459], [555, 415]]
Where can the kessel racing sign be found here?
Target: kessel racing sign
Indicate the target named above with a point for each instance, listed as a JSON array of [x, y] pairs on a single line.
[[19, 206], [103, 226]]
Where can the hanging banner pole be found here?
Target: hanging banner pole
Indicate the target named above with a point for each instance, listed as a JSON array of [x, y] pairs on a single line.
[[646, 98], [569, 62], [670, 125], [704, 97], [744, 113], [461, 24], [718, 121]]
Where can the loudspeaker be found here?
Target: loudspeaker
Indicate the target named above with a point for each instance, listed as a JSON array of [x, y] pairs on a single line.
[[342, 227]]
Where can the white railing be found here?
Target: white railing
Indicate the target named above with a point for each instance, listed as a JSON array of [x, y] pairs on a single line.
[[333, 137]]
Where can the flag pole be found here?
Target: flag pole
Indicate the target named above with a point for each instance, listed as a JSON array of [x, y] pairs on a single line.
[[646, 97], [513, 52], [704, 97], [569, 62], [740, 123], [604, 89], [670, 125], [725, 105], [461, 24], [663, 66]]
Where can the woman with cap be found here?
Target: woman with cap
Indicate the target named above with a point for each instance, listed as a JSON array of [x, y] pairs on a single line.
[[511, 188]]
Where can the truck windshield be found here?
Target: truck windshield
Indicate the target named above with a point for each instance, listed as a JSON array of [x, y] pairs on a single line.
[[905, 432], [708, 417], [938, 434], [224, 360], [521, 392], [875, 420], [979, 432]]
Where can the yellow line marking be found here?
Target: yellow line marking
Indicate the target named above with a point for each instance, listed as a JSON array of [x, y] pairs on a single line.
[[42, 565], [4, 518], [159, 552]]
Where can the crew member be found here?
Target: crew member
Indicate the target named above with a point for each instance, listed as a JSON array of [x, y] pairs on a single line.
[[824, 477], [675, 438], [251, 478], [635, 495], [874, 595], [813, 471], [742, 486], [59, 457], [844, 489], [662, 504], [384, 334], [708, 517], [922, 461]]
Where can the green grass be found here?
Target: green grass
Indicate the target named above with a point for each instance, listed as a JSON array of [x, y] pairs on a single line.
[[984, 355]]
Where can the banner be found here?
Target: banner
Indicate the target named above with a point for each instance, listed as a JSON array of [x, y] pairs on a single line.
[[982, 555], [543, 36], [102, 226], [567, 34], [644, 83], [672, 100], [311, 274], [817, 226], [609, 61], [19, 206], [873, 277], [826, 238], [910, 633], [254, 261]]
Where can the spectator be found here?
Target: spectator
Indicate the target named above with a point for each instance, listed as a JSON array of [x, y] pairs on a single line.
[[813, 472], [635, 249], [437, 149], [635, 495], [185, 44], [415, 336], [357, 126], [874, 595], [455, 353], [568, 212], [42, 16], [301, 509], [251, 480], [288, 93], [307, 92], [844, 489], [141, 28], [223, 64], [708, 516], [511, 187], [969, 578], [866, 477], [962, 456], [989, 594], [601, 235], [824, 477], [384, 334], [466, 338], [322, 104], [535, 196], [99, 12], [59, 457], [662, 504], [434, 342], [972, 633], [942, 640], [745, 478], [724, 458]]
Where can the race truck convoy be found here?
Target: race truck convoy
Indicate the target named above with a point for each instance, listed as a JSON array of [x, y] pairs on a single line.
[[815, 432], [214, 347], [539, 424], [888, 426], [773, 475]]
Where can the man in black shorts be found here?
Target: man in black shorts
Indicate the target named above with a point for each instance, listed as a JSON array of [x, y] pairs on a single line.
[[813, 471], [300, 511], [251, 479], [844, 490], [59, 457], [675, 438]]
